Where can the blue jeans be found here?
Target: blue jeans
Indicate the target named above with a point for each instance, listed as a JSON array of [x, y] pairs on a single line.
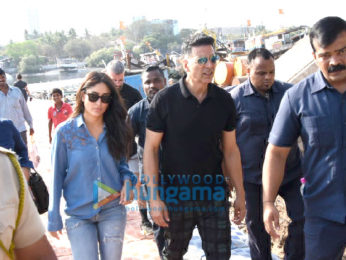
[[105, 232]]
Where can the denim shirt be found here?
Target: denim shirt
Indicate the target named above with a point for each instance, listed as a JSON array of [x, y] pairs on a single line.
[[138, 117], [317, 112], [255, 117], [13, 106], [10, 138], [78, 160]]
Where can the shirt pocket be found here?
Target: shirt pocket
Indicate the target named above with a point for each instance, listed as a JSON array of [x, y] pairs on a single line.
[[256, 123], [318, 130], [8, 216]]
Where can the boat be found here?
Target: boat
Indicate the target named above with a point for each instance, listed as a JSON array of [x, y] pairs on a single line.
[[67, 64]]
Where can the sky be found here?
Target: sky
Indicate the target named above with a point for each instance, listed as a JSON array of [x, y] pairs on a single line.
[[101, 15]]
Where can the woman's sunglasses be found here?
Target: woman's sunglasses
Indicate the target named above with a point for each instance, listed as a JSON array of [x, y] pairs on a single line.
[[105, 98], [204, 60]]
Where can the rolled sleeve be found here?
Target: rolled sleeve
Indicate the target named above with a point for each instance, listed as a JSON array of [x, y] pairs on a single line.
[[285, 130], [59, 165]]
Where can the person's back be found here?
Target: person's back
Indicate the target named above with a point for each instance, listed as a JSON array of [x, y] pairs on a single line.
[[29, 239], [22, 86]]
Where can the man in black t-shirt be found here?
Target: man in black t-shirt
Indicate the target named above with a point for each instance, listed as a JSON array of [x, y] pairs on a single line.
[[116, 71], [23, 86], [194, 121]]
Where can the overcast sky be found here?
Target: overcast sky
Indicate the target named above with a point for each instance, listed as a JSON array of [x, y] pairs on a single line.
[[101, 15]]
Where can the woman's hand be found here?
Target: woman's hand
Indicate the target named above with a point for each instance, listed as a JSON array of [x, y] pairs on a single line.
[[126, 195], [56, 234]]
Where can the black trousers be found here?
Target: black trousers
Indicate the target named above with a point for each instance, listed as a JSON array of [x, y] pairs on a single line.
[[259, 240], [212, 221]]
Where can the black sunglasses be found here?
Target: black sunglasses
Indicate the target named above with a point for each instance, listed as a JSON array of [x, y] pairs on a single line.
[[105, 98]]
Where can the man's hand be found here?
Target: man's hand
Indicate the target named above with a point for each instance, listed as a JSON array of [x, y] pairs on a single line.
[[239, 209], [32, 131], [271, 219], [126, 195], [50, 139], [159, 212], [56, 234]]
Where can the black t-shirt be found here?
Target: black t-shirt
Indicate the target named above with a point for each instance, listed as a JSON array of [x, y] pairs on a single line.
[[192, 131], [21, 85], [130, 95]]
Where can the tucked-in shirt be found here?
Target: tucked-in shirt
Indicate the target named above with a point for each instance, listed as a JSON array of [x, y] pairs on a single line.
[[255, 117], [30, 228], [192, 131], [317, 112], [138, 115], [78, 162], [59, 115], [11, 139], [14, 107]]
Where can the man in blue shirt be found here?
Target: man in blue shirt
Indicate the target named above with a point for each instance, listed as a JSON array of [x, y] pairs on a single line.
[[10, 139], [315, 109], [153, 80], [257, 101]]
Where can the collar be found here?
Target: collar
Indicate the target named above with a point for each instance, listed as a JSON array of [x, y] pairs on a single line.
[[249, 89], [80, 120], [186, 93], [320, 83]]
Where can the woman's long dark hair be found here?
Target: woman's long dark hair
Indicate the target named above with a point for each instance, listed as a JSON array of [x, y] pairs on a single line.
[[119, 133]]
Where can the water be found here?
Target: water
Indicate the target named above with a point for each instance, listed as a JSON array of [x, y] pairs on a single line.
[[69, 81], [56, 75]]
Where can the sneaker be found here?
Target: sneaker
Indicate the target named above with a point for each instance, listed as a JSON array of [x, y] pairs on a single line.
[[147, 228]]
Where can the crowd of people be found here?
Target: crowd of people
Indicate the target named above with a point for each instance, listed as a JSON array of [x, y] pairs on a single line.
[[180, 152]]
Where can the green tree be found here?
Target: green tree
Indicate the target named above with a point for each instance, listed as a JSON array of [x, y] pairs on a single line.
[[137, 30], [72, 33], [18, 50], [31, 64], [100, 58], [77, 48]]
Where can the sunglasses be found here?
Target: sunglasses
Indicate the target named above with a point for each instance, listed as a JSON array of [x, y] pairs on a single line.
[[204, 60], [105, 98]]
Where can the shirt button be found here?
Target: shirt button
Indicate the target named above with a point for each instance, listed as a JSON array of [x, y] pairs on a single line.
[[97, 147]]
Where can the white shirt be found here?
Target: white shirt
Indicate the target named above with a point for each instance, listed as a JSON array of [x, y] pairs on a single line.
[[14, 107]]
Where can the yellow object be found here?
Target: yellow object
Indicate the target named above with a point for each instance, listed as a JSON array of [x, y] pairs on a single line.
[[13, 159]]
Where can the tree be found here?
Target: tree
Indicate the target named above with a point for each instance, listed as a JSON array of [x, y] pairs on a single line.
[[77, 48], [18, 50], [31, 64], [72, 34], [100, 58], [137, 30]]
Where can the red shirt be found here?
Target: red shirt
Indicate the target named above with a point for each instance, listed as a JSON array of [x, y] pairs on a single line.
[[59, 115]]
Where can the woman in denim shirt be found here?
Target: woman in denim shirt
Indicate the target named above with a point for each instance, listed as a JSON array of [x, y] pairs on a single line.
[[89, 162]]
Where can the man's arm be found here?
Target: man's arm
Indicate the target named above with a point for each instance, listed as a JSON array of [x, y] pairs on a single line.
[[233, 170], [273, 173], [50, 125], [40, 250], [158, 208], [26, 113]]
